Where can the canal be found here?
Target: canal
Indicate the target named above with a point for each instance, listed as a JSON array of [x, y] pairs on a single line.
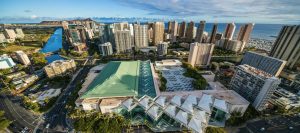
[[53, 44]]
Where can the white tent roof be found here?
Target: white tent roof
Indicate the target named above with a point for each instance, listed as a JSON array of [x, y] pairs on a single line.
[[187, 106], [182, 117], [161, 101], [171, 110], [129, 104], [155, 112], [198, 114], [176, 100], [221, 104], [195, 124], [145, 102], [192, 99], [205, 103]]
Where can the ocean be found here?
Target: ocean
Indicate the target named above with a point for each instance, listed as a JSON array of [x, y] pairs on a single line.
[[260, 31]]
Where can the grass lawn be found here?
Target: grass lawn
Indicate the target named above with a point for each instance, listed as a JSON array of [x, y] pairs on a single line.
[[13, 48]]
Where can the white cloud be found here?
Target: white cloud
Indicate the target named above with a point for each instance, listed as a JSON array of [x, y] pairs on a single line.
[[33, 16], [269, 10]]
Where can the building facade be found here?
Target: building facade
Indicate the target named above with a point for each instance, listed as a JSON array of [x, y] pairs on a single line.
[[245, 32], [229, 31], [6, 62], [162, 48], [189, 32], [200, 54], [158, 32], [22, 57], [59, 68], [265, 63], [105, 49], [123, 42], [213, 33], [140, 36], [199, 36], [254, 85], [286, 46]]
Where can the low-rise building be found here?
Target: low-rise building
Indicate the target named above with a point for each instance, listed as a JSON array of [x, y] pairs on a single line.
[[19, 33], [6, 62], [286, 99], [48, 94], [169, 62], [22, 57], [59, 68]]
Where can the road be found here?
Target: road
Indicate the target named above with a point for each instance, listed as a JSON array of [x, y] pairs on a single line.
[[20, 116], [56, 116]]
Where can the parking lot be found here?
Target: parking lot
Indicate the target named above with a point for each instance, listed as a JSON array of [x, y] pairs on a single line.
[[176, 81]]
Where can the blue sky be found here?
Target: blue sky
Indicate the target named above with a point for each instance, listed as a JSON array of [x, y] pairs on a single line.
[[258, 11]]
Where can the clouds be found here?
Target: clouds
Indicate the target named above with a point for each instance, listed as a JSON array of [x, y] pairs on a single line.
[[271, 10]]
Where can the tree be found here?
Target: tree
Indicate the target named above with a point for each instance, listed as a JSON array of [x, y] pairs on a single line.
[[4, 123], [63, 52], [39, 59], [96, 55]]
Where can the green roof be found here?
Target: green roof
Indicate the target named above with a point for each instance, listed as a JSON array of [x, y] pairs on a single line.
[[117, 79]]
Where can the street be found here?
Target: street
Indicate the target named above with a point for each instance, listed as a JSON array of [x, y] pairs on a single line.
[[56, 116]]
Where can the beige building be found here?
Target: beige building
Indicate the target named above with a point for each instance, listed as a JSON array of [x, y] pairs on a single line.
[[200, 31], [287, 46], [190, 32], [22, 57], [229, 31], [182, 29], [123, 42], [140, 36], [19, 33], [10, 35], [245, 32], [173, 31], [200, 54], [158, 32], [59, 67]]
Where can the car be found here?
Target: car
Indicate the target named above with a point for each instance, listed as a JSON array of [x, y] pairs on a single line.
[[48, 125]]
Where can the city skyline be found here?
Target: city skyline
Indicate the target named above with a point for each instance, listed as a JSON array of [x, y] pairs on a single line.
[[263, 11]]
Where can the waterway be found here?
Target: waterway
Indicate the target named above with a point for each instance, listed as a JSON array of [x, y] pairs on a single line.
[[53, 44]]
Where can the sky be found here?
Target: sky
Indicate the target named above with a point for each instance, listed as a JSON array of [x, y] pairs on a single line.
[[240, 11]]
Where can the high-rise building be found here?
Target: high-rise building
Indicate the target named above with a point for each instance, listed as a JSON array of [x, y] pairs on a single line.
[[213, 33], [10, 35], [140, 36], [22, 57], [6, 62], [254, 85], [105, 49], [121, 26], [162, 48], [189, 32], [245, 32], [123, 42], [219, 36], [265, 63], [235, 45], [2, 38], [158, 32], [199, 36], [229, 31], [19, 33], [182, 29], [106, 33], [287, 46], [200, 54], [59, 67], [150, 35], [173, 31]]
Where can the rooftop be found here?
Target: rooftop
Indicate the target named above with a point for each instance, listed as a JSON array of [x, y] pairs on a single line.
[[254, 71], [122, 79], [117, 79]]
